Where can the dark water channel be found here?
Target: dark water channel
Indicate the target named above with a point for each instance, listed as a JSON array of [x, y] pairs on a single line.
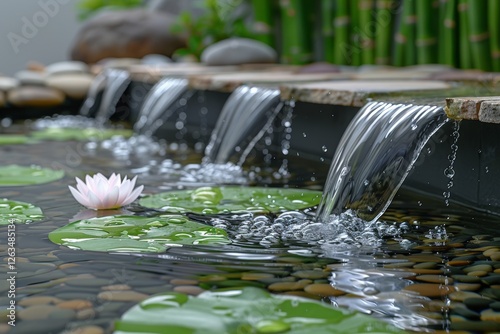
[[445, 276]]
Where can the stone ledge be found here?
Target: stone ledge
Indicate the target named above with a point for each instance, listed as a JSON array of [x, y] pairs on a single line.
[[229, 81], [484, 109], [355, 93]]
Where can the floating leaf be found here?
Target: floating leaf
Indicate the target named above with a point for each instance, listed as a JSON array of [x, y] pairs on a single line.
[[6, 139], [214, 200], [80, 134], [14, 175], [136, 233], [18, 212], [243, 310]]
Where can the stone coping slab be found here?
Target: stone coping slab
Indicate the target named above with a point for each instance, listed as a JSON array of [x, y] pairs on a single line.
[[355, 92], [151, 74], [484, 109], [229, 81]]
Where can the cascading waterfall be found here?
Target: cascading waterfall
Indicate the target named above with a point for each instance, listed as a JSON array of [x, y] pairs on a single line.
[[244, 119], [374, 156], [97, 85], [158, 104], [117, 82]]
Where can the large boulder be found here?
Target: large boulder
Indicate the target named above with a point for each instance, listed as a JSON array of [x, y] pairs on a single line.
[[125, 33]]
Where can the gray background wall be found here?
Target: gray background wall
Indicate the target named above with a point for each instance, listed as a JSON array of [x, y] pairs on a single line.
[[40, 30]]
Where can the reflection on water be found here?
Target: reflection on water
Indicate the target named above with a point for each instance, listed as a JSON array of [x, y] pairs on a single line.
[[417, 277]]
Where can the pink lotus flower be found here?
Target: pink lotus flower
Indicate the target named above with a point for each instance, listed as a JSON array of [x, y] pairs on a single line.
[[99, 193]]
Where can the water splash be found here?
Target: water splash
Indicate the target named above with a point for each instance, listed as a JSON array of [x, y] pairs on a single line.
[[158, 104], [375, 155], [117, 81], [449, 172], [244, 119]]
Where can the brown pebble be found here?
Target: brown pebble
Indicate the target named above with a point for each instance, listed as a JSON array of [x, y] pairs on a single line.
[[116, 287], [425, 271], [122, 296], [87, 330], [424, 258], [68, 265], [399, 265], [460, 296], [311, 274], [478, 273], [490, 315], [256, 276], [86, 314], [435, 279], [491, 251], [324, 290], [468, 286], [4, 328], [495, 256], [75, 304], [289, 286], [180, 281], [38, 300], [458, 263], [36, 312], [430, 290], [192, 290]]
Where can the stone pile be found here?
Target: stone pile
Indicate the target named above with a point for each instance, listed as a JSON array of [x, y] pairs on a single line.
[[50, 86]]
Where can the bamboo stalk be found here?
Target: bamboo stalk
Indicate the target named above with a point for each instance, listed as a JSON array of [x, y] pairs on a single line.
[[465, 59], [366, 25], [404, 52], [383, 34], [355, 35], [296, 48], [494, 27], [263, 21], [426, 38], [479, 35], [327, 12], [341, 53], [448, 33]]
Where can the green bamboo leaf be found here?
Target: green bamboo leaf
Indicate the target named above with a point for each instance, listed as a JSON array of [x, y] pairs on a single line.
[[18, 212], [15, 175], [136, 234], [243, 310], [217, 200]]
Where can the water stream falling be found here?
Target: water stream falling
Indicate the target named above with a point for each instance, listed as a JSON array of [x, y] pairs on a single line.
[[244, 119], [156, 107], [117, 82], [374, 156], [97, 85]]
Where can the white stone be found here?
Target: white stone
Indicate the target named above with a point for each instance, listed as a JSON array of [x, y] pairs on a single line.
[[65, 67], [155, 59], [26, 77], [7, 83], [74, 85], [237, 51]]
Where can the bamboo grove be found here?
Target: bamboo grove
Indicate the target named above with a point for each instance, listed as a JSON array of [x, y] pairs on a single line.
[[460, 33]]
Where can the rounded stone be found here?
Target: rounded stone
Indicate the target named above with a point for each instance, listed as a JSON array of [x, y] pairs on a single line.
[[87, 330], [155, 59], [490, 315], [122, 296], [256, 276], [189, 289], [130, 33], [430, 289], [460, 296], [37, 312], [88, 282], [324, 290], [86, 314], [237, 51], [477, 304], [116, 287], [26, 77], [66, 67], [289, 286], [435, 279], [32, 96], [466, 279], [478, 268], [75, 304], [38, 300], [8, 83], [311, 274], [180, 281], [75, 85]]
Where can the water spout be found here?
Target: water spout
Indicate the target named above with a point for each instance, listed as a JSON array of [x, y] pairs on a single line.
[[156, 108], [244, 119], [117, 82], [374, 156]]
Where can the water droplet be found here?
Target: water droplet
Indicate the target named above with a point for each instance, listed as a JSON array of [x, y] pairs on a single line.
[[414, 126], [304, 134], [419, 203], [324, 148], [486, 169]]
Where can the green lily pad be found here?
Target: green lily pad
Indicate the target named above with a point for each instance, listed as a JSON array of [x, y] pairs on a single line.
[[14, 175], [243, 310], [18, 212], [136, 234], [80, 134], [215, 200], [7, 139]]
